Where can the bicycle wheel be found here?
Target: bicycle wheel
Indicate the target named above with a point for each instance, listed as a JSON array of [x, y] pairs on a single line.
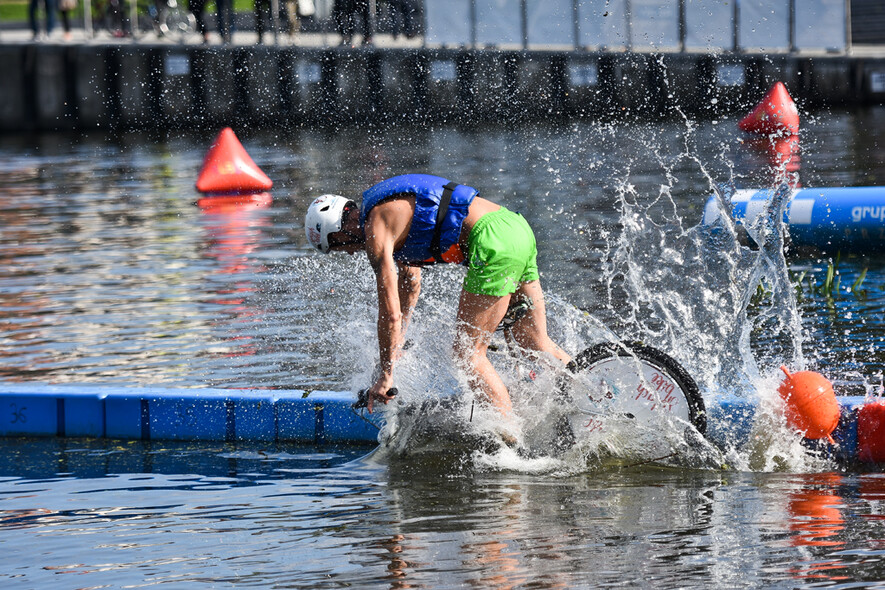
[[177, 22], [634, 394]]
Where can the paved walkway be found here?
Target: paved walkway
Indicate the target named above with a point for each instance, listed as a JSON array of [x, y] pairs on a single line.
[[244, 38], [240, 38]]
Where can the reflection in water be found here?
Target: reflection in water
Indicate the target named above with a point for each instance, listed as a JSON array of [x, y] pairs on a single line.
[[212, 512], [782, 155], [234, 226], [72, 258], [815, 511]]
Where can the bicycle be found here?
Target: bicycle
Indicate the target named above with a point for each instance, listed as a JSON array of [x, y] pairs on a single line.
[[614, 394], [171, 20]]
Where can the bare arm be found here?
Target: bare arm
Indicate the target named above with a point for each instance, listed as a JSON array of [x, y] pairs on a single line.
[[389, 323], [385, 224], [409, 289]]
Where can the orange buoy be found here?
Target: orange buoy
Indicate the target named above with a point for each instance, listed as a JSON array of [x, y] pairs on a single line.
[[776, 113], [871, 432], [811, 405], [227, 168]]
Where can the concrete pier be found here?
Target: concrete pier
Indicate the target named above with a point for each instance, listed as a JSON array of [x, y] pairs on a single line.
[[84, 86]]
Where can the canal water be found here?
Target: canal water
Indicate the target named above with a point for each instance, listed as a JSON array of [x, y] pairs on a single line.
[[115, 272]]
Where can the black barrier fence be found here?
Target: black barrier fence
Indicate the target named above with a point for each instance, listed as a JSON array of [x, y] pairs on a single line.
[[128, 86]]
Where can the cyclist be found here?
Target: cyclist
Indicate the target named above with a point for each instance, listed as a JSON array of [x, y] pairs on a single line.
[[408, 221]]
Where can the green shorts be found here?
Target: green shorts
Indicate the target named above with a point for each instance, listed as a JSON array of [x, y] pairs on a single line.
[[501, 254]]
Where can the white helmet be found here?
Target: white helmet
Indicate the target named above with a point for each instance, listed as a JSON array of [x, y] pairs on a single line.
[[324, 217]]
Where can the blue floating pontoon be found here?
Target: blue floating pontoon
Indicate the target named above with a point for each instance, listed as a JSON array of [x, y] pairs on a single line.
[[319, 417], [183, 414], [852, 218]]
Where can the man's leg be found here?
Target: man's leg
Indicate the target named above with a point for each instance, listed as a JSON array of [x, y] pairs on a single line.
[[478, 316], [530, 334], [531, 331]]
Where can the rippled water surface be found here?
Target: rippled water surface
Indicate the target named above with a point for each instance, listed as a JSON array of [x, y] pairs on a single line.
[[79, 514], [114, 273]]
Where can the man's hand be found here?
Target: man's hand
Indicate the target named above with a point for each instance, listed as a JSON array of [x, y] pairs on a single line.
[[382, 391]]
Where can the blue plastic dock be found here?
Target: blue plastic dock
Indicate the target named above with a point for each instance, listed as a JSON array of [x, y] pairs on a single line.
[[318, 417], [849, 217], [183, 414]]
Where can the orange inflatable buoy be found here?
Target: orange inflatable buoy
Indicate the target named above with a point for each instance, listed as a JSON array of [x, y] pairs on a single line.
[[229, 169], [871, 432], [776, 113], [811, 405]]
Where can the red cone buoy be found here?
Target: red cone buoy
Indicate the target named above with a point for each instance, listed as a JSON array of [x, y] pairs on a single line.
[[811, 405], [229, 169], [776, 113], [871, 432]]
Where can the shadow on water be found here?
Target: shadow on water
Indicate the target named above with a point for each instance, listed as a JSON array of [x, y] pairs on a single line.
[[243, 464]]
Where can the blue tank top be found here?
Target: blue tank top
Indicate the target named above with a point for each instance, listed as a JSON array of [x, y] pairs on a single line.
[[428, 191]]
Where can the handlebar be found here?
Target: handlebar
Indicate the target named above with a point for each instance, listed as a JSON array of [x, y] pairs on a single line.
[[362, 398]]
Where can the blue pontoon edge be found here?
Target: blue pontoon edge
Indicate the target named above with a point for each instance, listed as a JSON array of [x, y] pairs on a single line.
[[318, 417], [827, 218]]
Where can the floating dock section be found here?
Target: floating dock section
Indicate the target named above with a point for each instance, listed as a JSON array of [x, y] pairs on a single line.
[[184, 414], [319, 417], [848, 218]]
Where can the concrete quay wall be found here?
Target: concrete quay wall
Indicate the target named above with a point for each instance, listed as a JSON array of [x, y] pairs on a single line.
[[50, 87]]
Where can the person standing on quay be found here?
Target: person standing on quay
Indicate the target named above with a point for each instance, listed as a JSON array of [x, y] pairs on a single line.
[[225, 18], [262, 13], [198, 8], [65, 8], [49, 7], [346, 12]]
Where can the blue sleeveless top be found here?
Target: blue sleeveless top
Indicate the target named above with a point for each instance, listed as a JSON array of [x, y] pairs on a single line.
[[428, 191]]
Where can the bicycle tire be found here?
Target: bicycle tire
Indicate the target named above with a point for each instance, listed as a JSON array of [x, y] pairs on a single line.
[[177, 23], [650, 360]]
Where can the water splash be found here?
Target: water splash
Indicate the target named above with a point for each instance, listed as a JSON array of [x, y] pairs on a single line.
[[706, 295]]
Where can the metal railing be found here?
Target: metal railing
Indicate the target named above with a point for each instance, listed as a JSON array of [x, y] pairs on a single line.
[[667, 25], [682, 25]]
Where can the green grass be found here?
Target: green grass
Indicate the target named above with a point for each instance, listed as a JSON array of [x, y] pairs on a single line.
[[17, 10], [13, 10], [830, 288]]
